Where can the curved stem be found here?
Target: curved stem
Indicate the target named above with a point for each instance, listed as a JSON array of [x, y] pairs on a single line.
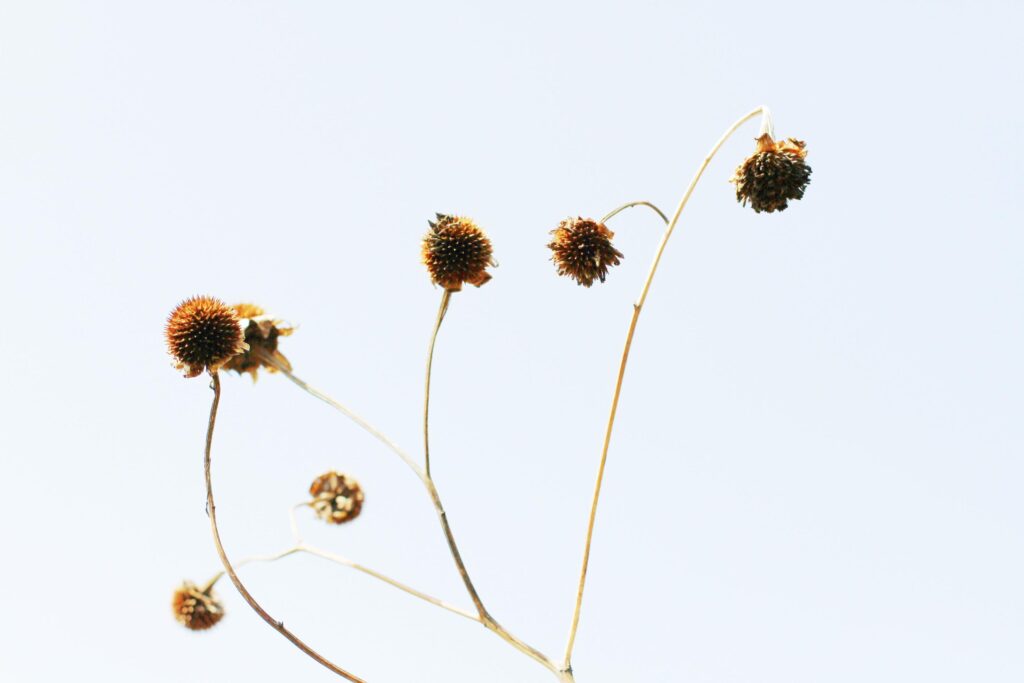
[[453, 548], [338, 559], [637, 306], [341, 408], [608, 216], [484, 617], [442, 309], [345, 562], [211, 510], [249, 560], [294, 523]]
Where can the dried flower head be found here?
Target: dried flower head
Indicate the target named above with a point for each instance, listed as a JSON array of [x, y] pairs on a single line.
[[261, 334], [455, 250], [773, 175], [337, 497], [194, 609], [582, 249], [203, 333]]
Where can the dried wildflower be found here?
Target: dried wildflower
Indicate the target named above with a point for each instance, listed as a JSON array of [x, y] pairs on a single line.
[[455, 250], [195, 609], [337, 497], [773, 175], [203, 333], [261, 334], [582, 249]]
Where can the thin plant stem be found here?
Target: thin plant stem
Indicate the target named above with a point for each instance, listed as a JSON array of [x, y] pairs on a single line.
[[294, 524], [614, 212], [345, 562], [485, 618], [341, 408], [637, 306], [338, 559], [211, 510], [435, 500], [251, 560], [442, 309]]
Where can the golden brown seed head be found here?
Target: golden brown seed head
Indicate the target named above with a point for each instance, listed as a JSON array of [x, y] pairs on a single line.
[[455, 250], [582, 249], [202, 334], [261, 334], [194, 609], [773, 175], [337, 497]]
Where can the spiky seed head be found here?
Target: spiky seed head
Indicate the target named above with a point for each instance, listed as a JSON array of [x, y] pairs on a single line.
[[337, 497], [582, 249], [195, 609], [261, 334], [773, 175], [202, 334], [455, 251]]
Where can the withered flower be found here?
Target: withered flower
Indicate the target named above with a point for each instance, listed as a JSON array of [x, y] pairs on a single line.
[[455, 251], [202, 334], [773, 175], [261, 334], [194, 609], [337, 497], [583, 250]]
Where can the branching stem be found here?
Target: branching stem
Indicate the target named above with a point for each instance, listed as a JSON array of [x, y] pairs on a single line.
[[482, 616], [637, 306]]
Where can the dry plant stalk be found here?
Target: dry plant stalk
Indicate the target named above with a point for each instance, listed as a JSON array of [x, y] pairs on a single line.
[[205, 335]]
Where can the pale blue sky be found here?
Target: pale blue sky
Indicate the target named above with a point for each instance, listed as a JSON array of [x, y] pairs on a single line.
[[817, 467]]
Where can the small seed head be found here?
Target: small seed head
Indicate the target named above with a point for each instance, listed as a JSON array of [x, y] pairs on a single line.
[[261, 335], [202, 334], [337, 497], [456, 251], [194, 609], [582, 249], [773, 175]]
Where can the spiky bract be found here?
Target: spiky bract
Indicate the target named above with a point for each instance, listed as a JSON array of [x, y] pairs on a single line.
[[455, 251], [582, 249], [202, 334], [773, 175]]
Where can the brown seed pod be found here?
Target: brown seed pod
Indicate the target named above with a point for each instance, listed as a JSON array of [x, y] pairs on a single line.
[[773, 175], [194, 609], [261, 334], [202, 334], [456, 251], [337, 497], [582, 249]]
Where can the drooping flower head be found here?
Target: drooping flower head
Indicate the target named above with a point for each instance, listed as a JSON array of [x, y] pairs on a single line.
[[455, 251], [261, 334], [202, 334], [194, 609], [773, 175], [337, 497], [582, 249]]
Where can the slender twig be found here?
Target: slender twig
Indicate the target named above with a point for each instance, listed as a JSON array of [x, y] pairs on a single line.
[[338, 559], [345, 562], [341, 408], [294, 524], [614, 212], [211, 510], [442, 309], [637, 306]]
